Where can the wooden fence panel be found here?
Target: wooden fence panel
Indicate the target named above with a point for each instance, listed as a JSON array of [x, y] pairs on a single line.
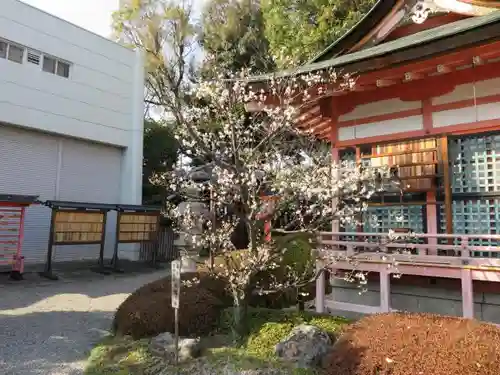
[[166, 251]]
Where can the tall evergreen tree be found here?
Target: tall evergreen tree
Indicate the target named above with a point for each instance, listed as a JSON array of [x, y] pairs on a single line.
[[300, 29], [232, 35], [160, 155]]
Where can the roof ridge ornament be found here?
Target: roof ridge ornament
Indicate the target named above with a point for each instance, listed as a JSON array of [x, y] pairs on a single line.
[[421, 10]]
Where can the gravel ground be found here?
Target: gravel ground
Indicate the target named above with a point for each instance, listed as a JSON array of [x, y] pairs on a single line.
[[49, 328]]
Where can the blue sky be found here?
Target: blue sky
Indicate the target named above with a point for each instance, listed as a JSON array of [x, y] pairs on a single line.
[[93, 15]]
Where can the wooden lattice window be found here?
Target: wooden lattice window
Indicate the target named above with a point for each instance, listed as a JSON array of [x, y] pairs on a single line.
[[475, 216], [475, 164], [383, 219]]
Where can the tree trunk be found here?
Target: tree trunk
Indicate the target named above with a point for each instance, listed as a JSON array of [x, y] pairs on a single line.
[[300, 301], [240, 326]]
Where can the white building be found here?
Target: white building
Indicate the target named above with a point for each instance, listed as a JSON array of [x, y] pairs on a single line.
[[71, 121]]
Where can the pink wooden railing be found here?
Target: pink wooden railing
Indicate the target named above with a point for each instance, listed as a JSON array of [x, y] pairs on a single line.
[[375, 252]]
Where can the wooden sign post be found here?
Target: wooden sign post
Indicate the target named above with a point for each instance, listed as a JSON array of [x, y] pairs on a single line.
[[76, 223], [135, 224], [176, 291]]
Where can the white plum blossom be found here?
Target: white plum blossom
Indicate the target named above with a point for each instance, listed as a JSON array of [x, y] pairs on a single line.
[[252, 154]]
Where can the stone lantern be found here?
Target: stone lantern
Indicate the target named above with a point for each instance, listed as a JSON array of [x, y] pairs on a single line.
[[189, 252]]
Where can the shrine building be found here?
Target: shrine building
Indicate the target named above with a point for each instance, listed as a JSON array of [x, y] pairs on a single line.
[[427, 102]]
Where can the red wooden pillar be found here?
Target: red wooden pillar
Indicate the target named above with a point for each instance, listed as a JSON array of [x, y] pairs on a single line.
[[267, 215], [334, 132], [431, 207]]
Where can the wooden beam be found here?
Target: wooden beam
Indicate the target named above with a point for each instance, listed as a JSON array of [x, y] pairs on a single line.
[[432, 222], [310, 123], [385, 82], [443, 69], [326, 133], [385, 291], [427, 115], [308, 112], [467, 294], [448, 203], [451, 50]]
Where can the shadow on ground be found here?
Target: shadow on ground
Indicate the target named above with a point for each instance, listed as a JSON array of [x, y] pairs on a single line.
[[76, 279], [52, 342], [48, 328]]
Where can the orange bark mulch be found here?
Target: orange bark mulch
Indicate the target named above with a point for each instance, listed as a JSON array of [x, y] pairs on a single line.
[[416, 344]]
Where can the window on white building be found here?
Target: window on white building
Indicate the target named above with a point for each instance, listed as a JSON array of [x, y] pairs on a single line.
[[62, 69], [16, 53], [3, 49], [55, 66], [49, 64]]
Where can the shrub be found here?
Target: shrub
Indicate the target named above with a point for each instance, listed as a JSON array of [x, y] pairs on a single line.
[[148, 312], [217, 286], [299, 255], [404, 344]]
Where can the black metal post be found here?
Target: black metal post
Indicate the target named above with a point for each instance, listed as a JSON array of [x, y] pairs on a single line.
[[156, 243], [100, 265], [115, 260], [47, 273], [176, 336]]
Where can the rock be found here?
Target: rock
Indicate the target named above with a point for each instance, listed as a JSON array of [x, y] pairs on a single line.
[[268, 371], [231, 370], [163, 346], [305, 346], [188, 264], [189, 348]]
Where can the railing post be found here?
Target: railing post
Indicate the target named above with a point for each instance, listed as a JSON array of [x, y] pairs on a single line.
[[464, 242], [385, 291], [467, 294], [320, 289], [383, 245], [349, 250]]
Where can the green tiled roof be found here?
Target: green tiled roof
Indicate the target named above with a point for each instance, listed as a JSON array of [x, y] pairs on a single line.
[[406, 42]]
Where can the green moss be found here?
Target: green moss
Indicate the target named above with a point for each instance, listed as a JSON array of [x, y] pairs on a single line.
[[240, 360], [266, 327], [119, 356]]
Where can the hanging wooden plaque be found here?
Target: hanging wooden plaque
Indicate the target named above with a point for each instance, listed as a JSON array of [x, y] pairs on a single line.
[[78, 227], [137, 227]]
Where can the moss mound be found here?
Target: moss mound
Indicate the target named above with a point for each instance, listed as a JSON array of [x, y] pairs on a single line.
[[404, 344], [119, 356], [267, 327], [148, 312]]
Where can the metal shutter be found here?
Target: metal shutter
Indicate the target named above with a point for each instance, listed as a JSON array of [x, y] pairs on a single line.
[[89, 173], [29, 166]]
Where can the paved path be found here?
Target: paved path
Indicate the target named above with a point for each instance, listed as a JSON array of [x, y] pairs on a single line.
[[48, 329]]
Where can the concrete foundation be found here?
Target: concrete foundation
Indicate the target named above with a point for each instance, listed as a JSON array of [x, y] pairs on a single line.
[[415, 299]]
